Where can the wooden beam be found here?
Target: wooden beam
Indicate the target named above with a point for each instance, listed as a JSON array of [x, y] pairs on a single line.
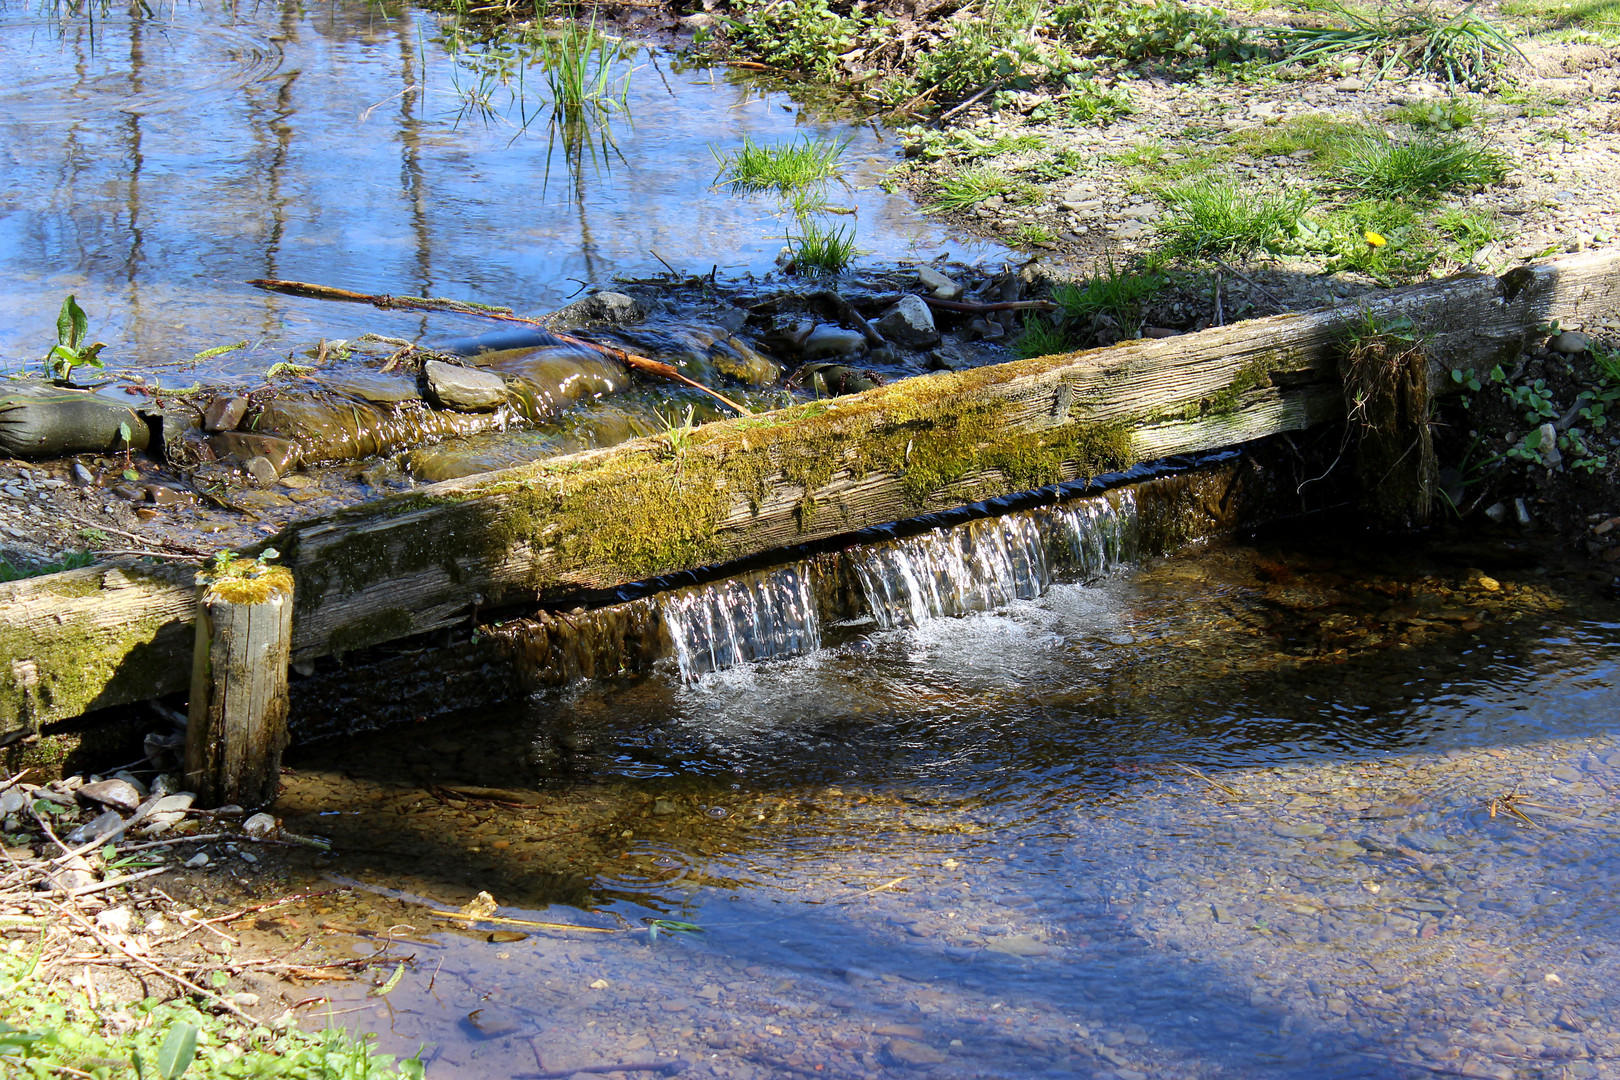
[[727, 490]]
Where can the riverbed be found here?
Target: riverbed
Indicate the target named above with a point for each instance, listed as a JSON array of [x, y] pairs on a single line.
[[1289, 807]]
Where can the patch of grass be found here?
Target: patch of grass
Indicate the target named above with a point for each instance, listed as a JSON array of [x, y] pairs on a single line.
[[783, 167], [1319, 134], [1409, 246], [1156, 166], [1469, 231], [963, 143], [1120, 295], [1040, 337], [70, 560], [1093, 102], [579, 63], [822, 249], [1464, 48], [1421, 167], [1453, 114], [1030, 234], [1212, 216], [970, 187], [1060, 166], [1159, 29], [1600, 17]]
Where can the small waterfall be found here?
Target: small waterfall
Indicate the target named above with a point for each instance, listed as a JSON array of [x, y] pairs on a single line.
[[984, 564], [751, 617]]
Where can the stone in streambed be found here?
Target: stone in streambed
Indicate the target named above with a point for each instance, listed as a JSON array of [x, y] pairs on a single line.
[[108, 825], [908, 1054], [909, 323], [246, 445], [938, 284], [1570, 342], [224, 412], [603, 308], [451, 386], [826, 340], [118, 794]]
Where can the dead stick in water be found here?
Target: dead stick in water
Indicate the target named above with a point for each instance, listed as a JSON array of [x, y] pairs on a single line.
[[976, 308], [461, 307]]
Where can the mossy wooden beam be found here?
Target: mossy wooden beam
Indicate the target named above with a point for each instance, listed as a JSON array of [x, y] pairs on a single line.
[[433, 557]]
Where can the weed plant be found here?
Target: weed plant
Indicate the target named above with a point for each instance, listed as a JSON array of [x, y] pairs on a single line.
[[806, 36], [1599, 18], [996, 49], [1420, 167], [1040, 337], [1119, 294], [1453, 114], [1213, 216], [784, 167], [580, 62], [1463, 48], [970, 187], [70, 560], [1134, 31], [1031, 234], [1092, 102], [820, 249]]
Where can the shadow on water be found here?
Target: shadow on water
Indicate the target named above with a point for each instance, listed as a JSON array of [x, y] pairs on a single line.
[[1097, 821]]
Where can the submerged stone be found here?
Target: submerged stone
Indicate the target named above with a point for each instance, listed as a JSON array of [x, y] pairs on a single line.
[[827, 340], [909, 323], [451, 386]]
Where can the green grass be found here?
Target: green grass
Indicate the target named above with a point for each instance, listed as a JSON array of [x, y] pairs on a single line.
[[1158, 30], [1154, 169], [970, 187], [784, 167], [821, 249], [1464, 48], [1121, 295], [1093, 102], [1317, 133], [1601, 17], [1454, 114], [48, 1029], [806, 36], [1040, 337], [579, 64], [1421, 167], [1468, 232], [70, 560], [1030, 233], [1213, 216]]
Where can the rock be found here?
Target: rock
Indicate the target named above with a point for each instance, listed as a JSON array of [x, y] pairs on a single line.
[[159, 814], [83, 476], [828, 340], [947, 358], [118, 794], [505, 937], [1019, 945], [701, 20], [1430, 842], [1131, 230], [75, 874], [244, 999], [1302, 831], [224, 412], [1497, 512], [492, 1021], [163, 495], [451, 386], [262, 469], [109, 825], [1570, 342], [116, 920], [259, 826], [663, 807], [938, 284], [11, 802], [1349, 86], [909, 323], [1551, 456], [598, 309], [197, 861], [905, 1053]]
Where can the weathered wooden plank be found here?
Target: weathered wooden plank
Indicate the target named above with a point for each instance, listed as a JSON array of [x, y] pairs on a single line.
[[415, 562]]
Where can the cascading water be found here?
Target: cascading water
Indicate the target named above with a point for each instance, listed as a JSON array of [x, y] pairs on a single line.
[[752, 617], [985, 564]]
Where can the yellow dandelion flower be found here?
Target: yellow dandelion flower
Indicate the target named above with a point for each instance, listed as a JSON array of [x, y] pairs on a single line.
[[1374, 240]]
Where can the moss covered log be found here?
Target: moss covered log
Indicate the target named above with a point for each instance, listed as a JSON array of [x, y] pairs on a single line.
[[733, 489]]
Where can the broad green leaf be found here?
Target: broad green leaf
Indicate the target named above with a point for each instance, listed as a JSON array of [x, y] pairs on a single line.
[[177, 1052], [123, 432], [64, 323]]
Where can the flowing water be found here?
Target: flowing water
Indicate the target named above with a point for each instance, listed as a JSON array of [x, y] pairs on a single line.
[[1016, 807], [155, 157]]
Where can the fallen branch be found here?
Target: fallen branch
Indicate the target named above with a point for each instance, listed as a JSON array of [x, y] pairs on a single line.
[[974, 307], [483, 311]]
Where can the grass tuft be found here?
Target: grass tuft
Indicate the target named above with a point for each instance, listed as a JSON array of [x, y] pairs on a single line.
[[1462, 48], [820, 249], [1214, 216], [970, 187], [783, 167], [1420, 167]]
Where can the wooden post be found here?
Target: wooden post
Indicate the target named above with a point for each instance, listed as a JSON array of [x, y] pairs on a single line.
[[238, 724]]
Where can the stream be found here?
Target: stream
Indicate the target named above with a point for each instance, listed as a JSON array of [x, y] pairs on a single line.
[[1292, 807]]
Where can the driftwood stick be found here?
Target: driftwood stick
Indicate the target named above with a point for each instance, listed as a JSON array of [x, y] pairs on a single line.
[[460, 307], [976, 308]]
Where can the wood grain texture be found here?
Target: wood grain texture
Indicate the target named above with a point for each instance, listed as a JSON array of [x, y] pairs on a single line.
[[429, 559]]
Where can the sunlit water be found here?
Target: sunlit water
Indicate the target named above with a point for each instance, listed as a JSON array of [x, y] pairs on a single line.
[[1226, 814], [151, 162]]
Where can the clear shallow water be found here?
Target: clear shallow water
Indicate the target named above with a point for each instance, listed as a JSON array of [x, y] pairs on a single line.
[[152, 163], [1228, 814]]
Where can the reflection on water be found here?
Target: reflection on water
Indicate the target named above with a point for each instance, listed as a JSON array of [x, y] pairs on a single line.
[[151, 162], [1227, 814]]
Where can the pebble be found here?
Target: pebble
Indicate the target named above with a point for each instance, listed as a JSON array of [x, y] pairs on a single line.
[[259, 826], [938, 284], [909, 323], [108, 825], [1571, 342], [118, 794], [452, 386], [828, 340], [909, 1054]]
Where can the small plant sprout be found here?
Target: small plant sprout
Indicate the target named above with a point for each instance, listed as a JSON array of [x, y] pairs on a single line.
[[71, 349]]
